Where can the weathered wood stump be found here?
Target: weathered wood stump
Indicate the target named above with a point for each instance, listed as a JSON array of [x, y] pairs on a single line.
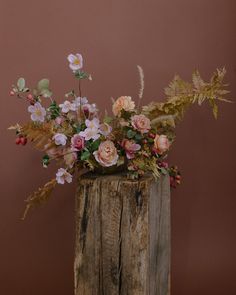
[[122, 236]]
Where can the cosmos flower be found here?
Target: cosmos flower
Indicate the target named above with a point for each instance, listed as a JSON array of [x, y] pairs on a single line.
[[75, 61], [67, 106], [38, 112], [60, 139], [80, 101], [63, 176]]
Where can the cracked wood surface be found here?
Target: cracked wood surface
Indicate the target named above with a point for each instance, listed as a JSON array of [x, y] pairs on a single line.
[[122, 236]]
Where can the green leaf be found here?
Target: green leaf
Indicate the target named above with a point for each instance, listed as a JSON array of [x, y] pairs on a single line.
[[45, 160], [85, 155], [21, 84], [131, 133], [138, 136], [94, 145], [43, 84], [81, 75]]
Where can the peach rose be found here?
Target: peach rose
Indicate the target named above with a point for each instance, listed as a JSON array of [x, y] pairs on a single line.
[[123, 103], [141, 123], [161, 143], [106, 155]]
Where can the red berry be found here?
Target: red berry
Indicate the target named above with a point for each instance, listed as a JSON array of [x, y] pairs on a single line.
[[151, 135], [145, 141], [18, 140], [12, 93], [23, 140], [30, 97], [177, 177]]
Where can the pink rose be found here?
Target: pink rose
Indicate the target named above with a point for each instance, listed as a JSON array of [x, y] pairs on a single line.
[[77, 142], [161, 143], [130, 148], [123, 103], [141, 123], [106, 155]]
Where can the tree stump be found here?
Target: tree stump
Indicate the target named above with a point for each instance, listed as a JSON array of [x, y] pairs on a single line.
[[122, 236]]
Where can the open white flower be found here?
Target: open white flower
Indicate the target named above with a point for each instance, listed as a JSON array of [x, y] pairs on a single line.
[[92, 130], [38, 112], [94, 123], [67, 106], [76, 61], [63, 176], [60, 139], [80, 101]]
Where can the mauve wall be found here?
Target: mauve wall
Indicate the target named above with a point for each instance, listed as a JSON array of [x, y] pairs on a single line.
[[165, 37]]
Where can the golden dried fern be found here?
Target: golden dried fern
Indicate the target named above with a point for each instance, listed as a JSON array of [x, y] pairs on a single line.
[[39, 197], [181, 94], [38, 134]]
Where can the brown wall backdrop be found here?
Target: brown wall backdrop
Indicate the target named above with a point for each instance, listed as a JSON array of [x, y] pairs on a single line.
[[164, 37]]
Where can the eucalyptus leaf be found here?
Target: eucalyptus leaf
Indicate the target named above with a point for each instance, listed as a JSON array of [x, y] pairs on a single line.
[[21, 84], [46, 93], [43, 84]]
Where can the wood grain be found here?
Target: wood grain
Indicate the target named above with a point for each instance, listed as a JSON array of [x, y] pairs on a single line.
[[122, 236]]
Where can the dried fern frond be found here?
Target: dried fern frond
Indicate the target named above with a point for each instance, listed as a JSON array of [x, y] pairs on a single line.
[[39, 197], [38, 134], [17, 127], [181, 94]]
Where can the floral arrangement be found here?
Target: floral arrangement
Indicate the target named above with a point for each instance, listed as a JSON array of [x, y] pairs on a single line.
[[135, 140]]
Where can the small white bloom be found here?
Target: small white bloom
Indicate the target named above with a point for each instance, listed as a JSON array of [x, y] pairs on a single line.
[[76, 61], [60, 139], [90, 133], [94, 123], [67, 106], [80, 101], [38, 112], [63, 176]]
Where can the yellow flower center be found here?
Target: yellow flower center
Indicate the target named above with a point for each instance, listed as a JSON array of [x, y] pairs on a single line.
[[77, 61], [38, 113]]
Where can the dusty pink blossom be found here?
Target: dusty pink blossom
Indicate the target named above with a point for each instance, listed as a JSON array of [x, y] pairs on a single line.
[[130, 148], [123, 103], [106, 155], [161, 143], [141, 123], [77, 142]]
